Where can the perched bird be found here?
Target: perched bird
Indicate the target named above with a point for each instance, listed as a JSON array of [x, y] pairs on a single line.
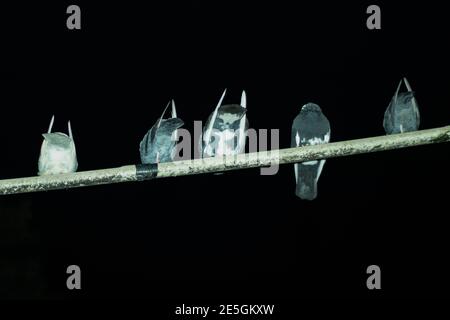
[[310, 127], [225, 131], [159, 144], [402, 114], [58, 154]]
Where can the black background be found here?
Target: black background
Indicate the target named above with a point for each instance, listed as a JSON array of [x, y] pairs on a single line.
[[239, 235]]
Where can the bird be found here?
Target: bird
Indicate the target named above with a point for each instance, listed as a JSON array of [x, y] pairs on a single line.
[[159, 143], [402, 114], [58, 154], [310, 127], [225, 130]]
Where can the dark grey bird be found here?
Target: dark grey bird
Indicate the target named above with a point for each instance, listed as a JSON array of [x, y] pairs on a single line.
[[225, 131], [310, 127], [402, 114], [159, 144], [58, 154]]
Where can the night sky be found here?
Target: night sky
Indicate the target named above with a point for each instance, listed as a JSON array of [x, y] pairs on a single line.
[[239, 235]]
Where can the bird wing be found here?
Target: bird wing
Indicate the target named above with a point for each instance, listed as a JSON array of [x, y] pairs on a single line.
[[242, 136], [413, 100], [208, 131], [326, 139], [51, 124], [174, 115], [162, 116]]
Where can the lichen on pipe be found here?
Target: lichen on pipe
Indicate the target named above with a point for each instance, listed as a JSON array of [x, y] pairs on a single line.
[[226, 163]]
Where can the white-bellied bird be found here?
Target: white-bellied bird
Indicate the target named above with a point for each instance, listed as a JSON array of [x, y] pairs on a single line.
[[58, 154], [225, 131], [310, 127]]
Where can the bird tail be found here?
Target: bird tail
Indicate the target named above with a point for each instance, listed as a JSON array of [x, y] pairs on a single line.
[[306, 187], [306, 190]]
